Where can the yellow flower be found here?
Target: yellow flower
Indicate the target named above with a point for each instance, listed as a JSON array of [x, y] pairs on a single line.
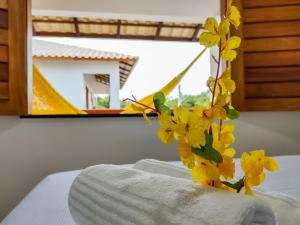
[[205, 171], [253, 181], [224, 84], [230, 152], [199, 109], [253, 165], [228, 53], [217, 111], [222, 137], [214, 32], [166, 132], [186, 155], [227, 167], [267, 162], [190, 126], [233, 14]]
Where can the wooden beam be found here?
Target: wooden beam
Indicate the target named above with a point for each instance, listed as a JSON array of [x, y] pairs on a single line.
[[3, 19], [122, 68], [282, 13], [3, 36], [4, 90], [272, 29], [118, 35], [127, 64], [33, 30], [273, 104], [87, 99], [272, 44], [76, 26], [51, 21], [158, 30], [195, 35], [272, 59], [273, 90], [272, 74], [268, 3], [4, 72], [3, 53], [116, 23]]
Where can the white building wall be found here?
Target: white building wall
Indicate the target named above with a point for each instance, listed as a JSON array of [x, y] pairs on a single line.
[[67, 76], [167, 10]]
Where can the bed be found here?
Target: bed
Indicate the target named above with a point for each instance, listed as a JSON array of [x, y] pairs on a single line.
[[47, 204]]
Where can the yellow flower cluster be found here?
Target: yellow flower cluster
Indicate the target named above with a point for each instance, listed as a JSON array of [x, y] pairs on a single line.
[[253, 165], [204, 134], [216, 34]]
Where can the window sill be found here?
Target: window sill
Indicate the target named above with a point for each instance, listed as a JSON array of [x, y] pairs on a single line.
[[103, 115]]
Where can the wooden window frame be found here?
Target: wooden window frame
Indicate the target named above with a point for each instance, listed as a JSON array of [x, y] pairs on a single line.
[[14, 93]]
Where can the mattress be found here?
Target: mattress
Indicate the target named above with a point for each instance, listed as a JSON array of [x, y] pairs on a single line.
[[47, 203]]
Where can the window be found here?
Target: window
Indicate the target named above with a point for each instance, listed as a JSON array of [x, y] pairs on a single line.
[[95, 75]]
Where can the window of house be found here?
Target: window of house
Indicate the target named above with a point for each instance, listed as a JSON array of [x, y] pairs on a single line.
[[95, 75]]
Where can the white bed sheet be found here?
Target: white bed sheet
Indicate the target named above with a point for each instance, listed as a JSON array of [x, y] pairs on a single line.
[[47, 203]]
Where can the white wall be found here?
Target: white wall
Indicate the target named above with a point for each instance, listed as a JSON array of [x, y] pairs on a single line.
[[67, 76], [33, 148], [167, 10]]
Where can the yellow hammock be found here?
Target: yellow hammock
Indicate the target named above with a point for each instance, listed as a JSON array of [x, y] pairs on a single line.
[[47, 101], [166, 89]]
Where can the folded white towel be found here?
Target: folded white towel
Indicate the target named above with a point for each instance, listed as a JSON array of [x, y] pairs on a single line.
[[285, 208], [114, 195]]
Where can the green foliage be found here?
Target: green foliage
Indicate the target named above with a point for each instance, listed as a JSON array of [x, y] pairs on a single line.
[[231, 112], [159, 100], [103, 103], [207, 151], [124, 104], [237, 185], [172, 103], [189, 101]]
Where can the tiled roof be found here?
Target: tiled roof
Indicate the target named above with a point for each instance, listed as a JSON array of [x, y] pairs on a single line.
[[51, 50], [45, 49]]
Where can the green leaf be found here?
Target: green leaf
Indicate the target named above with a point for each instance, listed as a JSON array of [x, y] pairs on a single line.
[[208, 139], [237, 185], [207, 151], [159, 99], [231, 112], [164, 109], [209, 154]]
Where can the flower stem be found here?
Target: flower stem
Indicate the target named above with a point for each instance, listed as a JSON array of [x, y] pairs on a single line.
[[141, 104], [217, 76]]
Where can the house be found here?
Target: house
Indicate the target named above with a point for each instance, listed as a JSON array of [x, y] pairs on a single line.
[[80, 74]]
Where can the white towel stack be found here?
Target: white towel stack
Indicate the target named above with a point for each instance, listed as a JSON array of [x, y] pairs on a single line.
[[285, 208], [115, 195]]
